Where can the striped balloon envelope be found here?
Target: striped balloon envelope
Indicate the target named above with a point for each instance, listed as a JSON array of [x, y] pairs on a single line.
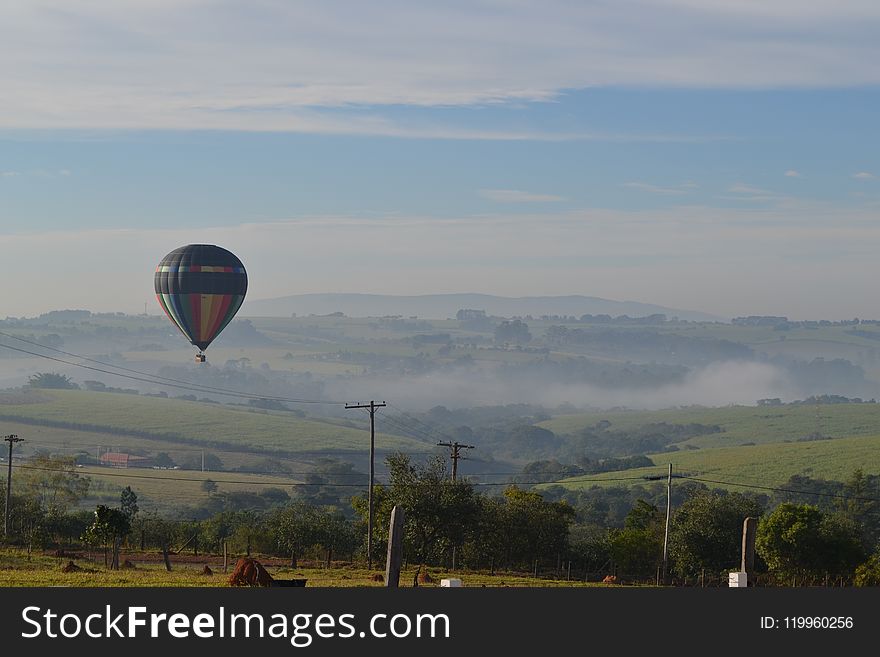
[[200, 287]]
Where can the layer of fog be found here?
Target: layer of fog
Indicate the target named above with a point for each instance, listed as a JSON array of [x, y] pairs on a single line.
[[718, 384]]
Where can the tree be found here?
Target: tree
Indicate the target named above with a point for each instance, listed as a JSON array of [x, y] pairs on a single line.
[[218, 528], [529, 439], [383, 504], [51, 380], [128, 503], [27, 520], [487, 541], [295, 529], [335, 533], [637, 549], [250, 530], [535, 528], [164, 460], [54, 482], [438, 509], [706, 532], [590, 545], [275, 496], [156, 531], [859, 506], [108, 528], [211, 461], [868, 573], [514, 331], [802, 541]]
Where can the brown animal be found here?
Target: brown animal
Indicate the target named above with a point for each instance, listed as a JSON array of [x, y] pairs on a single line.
[[425, 578], [378, 577], [207, 571], [128, 565], [70, 567], [249, 572], [610, 579]]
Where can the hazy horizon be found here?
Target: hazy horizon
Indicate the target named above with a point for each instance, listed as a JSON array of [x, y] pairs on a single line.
[[730, 167]]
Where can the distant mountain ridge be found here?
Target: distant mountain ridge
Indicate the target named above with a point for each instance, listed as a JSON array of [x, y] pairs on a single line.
[[442, 306]]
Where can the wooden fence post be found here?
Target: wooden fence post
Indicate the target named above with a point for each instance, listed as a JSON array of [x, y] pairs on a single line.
[[395, 548], [750, 528]]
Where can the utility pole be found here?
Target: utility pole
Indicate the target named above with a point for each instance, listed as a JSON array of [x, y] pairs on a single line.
[[203, 460], [668, 512], [372, 406], [455, 454], [11, 439]]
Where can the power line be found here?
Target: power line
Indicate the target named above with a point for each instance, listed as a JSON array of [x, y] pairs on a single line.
[[409, 429], [406, 431], [427, 429]]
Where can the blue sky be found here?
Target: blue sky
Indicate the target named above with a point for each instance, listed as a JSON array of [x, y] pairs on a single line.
[[721, 156]]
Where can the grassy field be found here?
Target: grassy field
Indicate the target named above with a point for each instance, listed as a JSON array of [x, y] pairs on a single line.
[[759, 465], [204, 424], [18, 569], [235, 436], [741, 424], [174, 489], [163, 490], [65, 442]]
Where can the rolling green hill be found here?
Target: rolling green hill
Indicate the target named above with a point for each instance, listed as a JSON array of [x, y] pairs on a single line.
[[191, 423], [740, 424], [758, 465]]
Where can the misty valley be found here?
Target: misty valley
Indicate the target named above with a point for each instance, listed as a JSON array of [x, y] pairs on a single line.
[[585, 411]]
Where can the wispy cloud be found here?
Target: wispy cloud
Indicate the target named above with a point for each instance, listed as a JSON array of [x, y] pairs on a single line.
[[678, 257], [750, 193], [864, 175], [518, 196], [141, 64], [39, 173], [791, 173], [677, 190]]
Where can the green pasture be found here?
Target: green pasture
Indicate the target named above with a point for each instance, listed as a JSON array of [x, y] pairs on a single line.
[[170, 490], [769, 465], [207, 425], [741, 424]]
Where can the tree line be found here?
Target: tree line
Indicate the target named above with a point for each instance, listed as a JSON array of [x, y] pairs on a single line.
[[450, 523]]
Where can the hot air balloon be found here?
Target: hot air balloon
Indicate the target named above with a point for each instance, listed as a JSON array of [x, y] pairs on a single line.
[[200, 287]]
